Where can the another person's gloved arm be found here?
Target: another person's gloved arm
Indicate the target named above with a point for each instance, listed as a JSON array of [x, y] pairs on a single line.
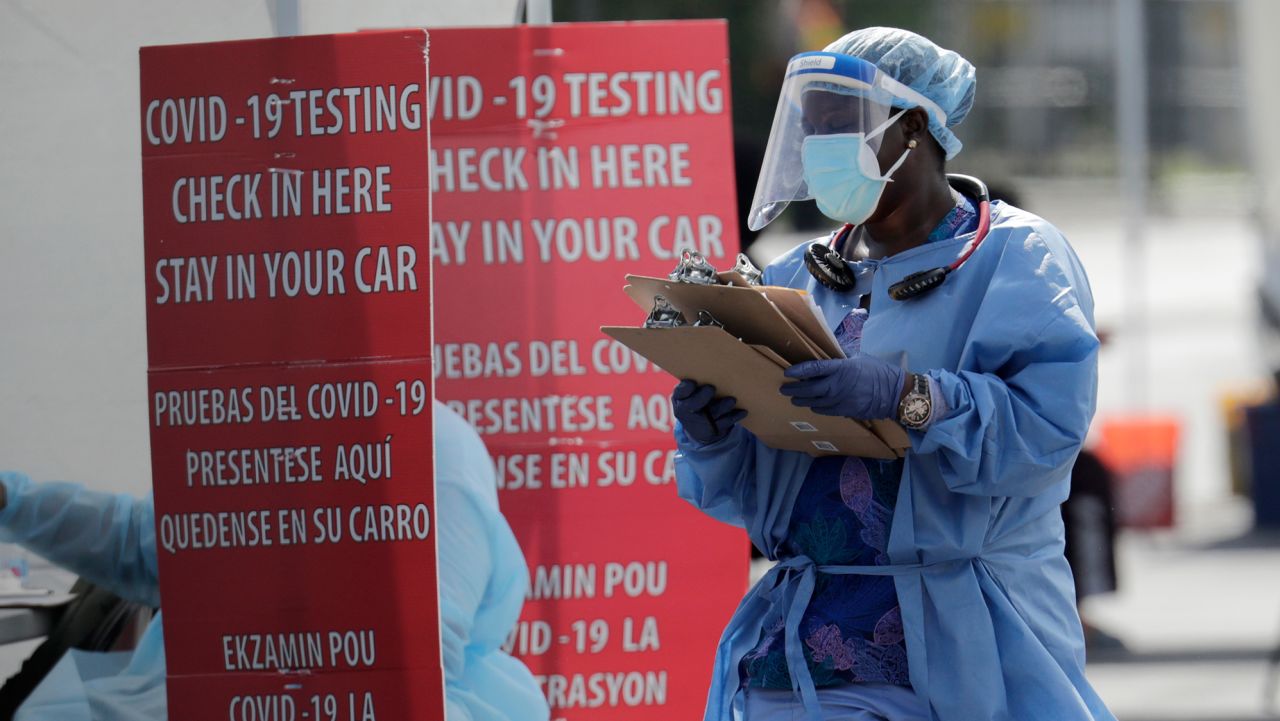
[[107, 538]]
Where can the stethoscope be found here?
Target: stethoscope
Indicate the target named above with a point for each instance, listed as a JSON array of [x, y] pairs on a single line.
[[829, 267]]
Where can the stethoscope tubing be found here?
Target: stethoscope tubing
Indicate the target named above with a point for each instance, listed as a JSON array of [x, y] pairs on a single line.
[[841, 236]]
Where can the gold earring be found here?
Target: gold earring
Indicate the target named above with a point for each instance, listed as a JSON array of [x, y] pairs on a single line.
[[912, 144]]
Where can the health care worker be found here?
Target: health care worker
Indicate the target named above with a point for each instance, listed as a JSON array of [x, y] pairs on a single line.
[[110, 540], [933, 586]]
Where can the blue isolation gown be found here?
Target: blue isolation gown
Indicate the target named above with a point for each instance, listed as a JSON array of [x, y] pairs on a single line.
[[976, 545], [110, 540]]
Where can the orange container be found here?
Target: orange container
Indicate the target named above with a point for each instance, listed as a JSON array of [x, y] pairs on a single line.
[[1141, 451]]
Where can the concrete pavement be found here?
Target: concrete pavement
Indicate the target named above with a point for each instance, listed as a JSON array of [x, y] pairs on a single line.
[[1199, 612]]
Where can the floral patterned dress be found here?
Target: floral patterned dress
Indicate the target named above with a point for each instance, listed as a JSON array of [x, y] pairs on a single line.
[[852, 629]]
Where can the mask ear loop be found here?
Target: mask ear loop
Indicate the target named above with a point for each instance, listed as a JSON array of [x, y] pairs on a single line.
[[887, 176], [879, 130]]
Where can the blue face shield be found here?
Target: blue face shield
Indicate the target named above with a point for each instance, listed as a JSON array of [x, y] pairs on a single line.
[[843, 175]]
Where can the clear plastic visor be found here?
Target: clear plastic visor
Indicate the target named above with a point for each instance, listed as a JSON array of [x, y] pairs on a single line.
[[823, 95]]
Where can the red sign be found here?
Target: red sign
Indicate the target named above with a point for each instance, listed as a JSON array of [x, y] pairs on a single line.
[[565, 157], [286, 217], [283, 219]]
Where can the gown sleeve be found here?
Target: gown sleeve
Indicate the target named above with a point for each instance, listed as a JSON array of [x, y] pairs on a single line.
[[107, 538], [738, 480], [716, 478], [1020, 404], [483, 579]]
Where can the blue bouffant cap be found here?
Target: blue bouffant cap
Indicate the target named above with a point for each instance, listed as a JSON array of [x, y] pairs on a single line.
[[938, 74]]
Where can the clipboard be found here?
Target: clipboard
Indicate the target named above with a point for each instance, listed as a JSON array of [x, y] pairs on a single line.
[[711, 355], [799, 308], [745, 312]]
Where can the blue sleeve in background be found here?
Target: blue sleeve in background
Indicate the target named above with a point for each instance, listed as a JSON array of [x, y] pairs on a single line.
[[107, 538], [483, 579]]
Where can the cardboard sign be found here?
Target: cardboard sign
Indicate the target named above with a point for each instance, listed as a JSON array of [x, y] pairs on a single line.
[[564, 158], [283, 221], [286, 216]]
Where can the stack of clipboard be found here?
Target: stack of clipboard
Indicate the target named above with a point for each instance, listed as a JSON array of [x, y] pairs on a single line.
[[747, 337]]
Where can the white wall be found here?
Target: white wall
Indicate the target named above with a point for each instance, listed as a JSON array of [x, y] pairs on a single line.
[[72, 325]]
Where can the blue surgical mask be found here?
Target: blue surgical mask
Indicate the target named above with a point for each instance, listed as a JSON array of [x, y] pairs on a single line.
[[843, 175]]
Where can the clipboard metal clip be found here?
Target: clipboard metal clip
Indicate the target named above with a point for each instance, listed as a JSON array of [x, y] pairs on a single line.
[[693, 268], [748, 270], [706, 319], [663, 315]]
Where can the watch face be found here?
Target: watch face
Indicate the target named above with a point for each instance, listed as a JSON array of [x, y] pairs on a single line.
[[915, 410]]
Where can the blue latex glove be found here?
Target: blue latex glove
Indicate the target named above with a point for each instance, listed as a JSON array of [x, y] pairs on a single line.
[[706, 419], [862, 387]]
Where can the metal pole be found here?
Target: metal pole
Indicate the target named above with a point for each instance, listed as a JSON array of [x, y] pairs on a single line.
[[287, 18], [1133, 154], [539, 12]]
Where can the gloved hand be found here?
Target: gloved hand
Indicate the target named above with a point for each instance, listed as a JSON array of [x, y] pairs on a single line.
[[705, 418], [861, 386]]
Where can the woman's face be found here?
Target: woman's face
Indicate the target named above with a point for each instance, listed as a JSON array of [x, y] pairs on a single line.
[[913, 125], [892, 143], [827, 113]]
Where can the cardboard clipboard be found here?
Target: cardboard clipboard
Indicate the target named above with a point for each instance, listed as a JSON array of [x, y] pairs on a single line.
[[753, 375], [799, 308], [745, 312]]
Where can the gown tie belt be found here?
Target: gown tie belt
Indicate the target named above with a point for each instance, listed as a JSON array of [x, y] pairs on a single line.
[[788, 587]]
